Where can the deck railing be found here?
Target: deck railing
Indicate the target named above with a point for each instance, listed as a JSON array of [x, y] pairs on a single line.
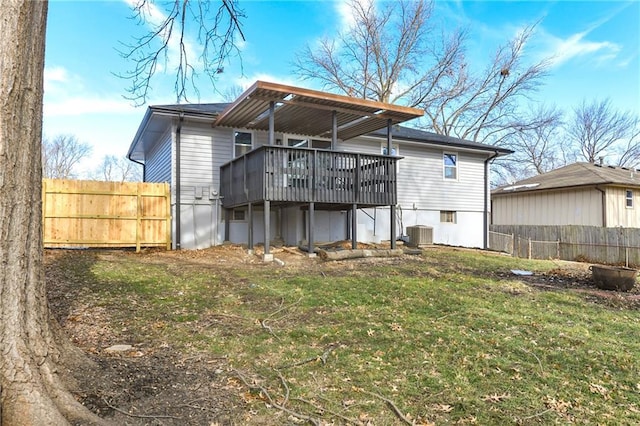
[[301, 175]]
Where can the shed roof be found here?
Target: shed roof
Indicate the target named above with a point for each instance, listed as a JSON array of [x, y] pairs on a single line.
[[574, 175]]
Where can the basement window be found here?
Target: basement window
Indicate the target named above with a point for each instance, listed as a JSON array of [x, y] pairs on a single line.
[[238, 214], [629, 198], [447, 216]]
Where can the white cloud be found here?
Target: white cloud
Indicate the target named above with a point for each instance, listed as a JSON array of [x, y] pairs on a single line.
[[576, 45], [55, 74], [345, 12], [246, 81], [79, 105]]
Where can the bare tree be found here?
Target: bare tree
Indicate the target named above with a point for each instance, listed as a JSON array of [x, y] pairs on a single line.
[[485, 106], [34, 352], [118, 169], [599, 130], [537, 143], [381, 56], [61, 155], [32, 392], [166, 46], [232, 93], [396, 54]]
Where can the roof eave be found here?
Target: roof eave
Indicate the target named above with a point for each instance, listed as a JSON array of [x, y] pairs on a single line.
[[500, 191]]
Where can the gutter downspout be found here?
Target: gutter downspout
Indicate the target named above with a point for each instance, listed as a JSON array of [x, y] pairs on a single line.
[[144, 168], [604, 206], [178, 132], [485, 222]]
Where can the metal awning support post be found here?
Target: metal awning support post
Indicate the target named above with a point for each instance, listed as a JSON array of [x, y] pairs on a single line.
[[334, 130], [272, 126], [392, 208]]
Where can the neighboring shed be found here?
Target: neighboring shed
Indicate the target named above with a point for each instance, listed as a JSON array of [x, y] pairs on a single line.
[[577, 194]]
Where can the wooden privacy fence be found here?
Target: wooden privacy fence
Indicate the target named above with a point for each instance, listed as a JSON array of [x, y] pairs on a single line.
[[78, 213], [572, 242]]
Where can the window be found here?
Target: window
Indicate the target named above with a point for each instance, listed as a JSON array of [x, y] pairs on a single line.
[[242, 142], [629, 198], [450, 165], [447, 216], [238, 214], [309, 143], [298, 143], [321, 144]]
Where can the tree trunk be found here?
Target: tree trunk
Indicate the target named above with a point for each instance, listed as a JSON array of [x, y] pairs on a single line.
[[31, 392]]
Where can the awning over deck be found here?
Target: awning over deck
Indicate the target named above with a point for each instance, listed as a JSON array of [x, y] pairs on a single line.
[[310, 112]]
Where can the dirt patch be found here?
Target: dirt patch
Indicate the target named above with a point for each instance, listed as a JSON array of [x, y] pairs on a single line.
[[576, 277]]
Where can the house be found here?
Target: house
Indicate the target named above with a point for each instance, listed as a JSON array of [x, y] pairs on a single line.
[[578, 194], [294, 165]]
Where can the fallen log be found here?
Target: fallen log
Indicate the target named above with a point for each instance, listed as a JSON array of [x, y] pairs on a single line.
[[357, 253]]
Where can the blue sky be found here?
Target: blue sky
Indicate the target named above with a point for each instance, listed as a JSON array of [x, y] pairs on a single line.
[[594, 45]]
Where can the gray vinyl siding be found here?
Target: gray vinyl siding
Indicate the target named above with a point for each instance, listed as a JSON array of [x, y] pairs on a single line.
[[196, 155], [202, 151], [421, 184], [367, 146], [261, 138], [158, 162]]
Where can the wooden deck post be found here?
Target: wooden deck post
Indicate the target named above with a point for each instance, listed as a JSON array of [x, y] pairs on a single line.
[[227, 223], [347, 226], [392, 218], [311, 223], [267, 256], [354, 226], [250, 229]]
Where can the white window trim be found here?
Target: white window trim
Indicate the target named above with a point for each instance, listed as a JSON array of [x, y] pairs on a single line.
[[233, 140], [627, 198], [444, 167], [454, 216]]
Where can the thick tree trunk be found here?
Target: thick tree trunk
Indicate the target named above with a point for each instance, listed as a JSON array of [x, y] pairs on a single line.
[[30, 389]]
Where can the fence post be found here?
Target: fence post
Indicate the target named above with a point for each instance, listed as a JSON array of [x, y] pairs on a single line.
[[558, 249], [529, 254], [44, 210], [138, 217], [167, 200], [513, 244], [626, 256]]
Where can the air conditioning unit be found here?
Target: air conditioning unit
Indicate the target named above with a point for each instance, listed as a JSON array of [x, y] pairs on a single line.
[[420, 235]]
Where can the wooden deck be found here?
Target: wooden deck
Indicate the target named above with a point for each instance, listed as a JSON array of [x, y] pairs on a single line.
[[331, 179]]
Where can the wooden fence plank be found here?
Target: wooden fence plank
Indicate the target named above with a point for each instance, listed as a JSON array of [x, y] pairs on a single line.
[[105, 214], [573, 242]]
